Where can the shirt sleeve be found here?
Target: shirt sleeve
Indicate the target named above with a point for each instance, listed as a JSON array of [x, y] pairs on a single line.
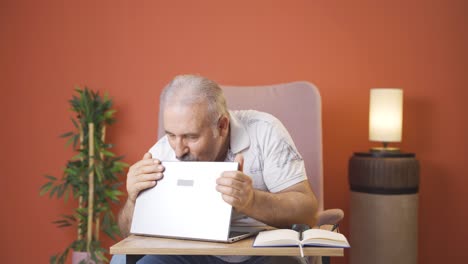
[[283, 164]]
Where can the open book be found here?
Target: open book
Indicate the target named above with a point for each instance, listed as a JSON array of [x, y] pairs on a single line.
[[310, 237]]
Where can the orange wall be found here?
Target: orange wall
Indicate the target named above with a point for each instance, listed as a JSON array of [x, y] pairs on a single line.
[[132, 50]]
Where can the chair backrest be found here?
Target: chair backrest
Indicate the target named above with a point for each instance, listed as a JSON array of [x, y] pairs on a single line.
[[298, 106]]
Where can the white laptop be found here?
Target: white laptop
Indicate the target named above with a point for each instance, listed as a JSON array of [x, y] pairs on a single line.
[[185, 204]]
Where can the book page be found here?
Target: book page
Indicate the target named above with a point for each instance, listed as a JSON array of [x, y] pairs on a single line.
[[277, 237], [320, 237]]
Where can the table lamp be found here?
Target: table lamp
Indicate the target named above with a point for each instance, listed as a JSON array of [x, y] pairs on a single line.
[[384, 185], [385, 117]]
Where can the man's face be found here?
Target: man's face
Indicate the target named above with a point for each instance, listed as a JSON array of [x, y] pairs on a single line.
[[192, 136]]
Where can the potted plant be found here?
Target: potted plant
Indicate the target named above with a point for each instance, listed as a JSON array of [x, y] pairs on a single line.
[[90, 177]]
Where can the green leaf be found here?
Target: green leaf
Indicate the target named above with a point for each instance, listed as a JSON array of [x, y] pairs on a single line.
[[100, 256], [63, 257], [62, 223], [117, 192], [78, 156], [75, 124], [67, 194], [99, 174], [71, 171], [82, 210], [51, 177], [109, 114], [53, 259], [45, 188], [75, 140], [113, 194], [67, 134], [54, 189], [69, 141], [121, 164], [60, 191], [107, 153], [70, 217]]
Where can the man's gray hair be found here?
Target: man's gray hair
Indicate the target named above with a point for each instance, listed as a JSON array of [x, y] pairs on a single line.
[[193, 89]]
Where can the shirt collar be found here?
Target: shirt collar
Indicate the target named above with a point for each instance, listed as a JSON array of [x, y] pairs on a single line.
[[239, 139]]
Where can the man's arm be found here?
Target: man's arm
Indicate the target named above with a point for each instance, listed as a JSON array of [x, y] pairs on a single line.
[[142, 175], [125, 217], [294, 205]]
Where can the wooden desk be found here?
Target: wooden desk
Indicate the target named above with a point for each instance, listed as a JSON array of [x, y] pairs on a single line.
[[142, 245]]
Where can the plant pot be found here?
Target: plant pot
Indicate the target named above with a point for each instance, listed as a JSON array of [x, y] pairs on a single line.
[[78, 257]]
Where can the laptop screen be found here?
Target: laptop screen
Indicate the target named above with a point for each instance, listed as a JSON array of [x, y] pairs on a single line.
[[185, 203]]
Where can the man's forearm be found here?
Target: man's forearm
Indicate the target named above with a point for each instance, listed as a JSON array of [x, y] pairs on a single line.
[[125, 217], [283, 209]]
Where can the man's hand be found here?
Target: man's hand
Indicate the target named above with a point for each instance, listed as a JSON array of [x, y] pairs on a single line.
[[143, 175], [236, 187]]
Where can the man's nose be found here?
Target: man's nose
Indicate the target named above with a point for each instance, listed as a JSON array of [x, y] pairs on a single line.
[[180, 148]]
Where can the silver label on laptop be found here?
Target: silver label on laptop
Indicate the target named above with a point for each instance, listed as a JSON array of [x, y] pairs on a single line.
[[182, 182]]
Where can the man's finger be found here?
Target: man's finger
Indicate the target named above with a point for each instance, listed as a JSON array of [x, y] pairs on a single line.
[[147, 155], [235, 175], [229, 182], [230, 199], [227, 190], [142, 163]]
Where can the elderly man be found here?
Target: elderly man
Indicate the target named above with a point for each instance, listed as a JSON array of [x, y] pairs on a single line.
[[271, 185]]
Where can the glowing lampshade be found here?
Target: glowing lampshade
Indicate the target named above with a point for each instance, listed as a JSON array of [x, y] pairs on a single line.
[[385, 115]]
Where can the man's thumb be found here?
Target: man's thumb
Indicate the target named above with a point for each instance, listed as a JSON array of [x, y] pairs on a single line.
[[147, 155], [240, 159]]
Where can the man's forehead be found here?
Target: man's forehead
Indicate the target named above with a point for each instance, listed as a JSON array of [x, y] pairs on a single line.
[[185, 119]]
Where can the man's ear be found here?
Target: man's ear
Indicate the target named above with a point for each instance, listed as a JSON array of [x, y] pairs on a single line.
[[223, 125]]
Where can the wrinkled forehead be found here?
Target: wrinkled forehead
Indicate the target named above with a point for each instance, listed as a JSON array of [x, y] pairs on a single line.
[[183, 118]]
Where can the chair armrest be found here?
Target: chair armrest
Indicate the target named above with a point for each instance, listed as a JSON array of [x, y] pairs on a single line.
[[330, 217]]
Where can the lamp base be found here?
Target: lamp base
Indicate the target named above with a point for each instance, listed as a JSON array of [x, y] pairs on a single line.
[[385, 149]]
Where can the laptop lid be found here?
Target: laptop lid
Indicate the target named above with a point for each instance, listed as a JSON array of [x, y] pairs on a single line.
[[185, 203]]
